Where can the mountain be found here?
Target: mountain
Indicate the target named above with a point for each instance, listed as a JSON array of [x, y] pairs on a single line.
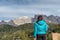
[[3, 22], [11, 22], [49, 19], [25, 19], [20, 21]]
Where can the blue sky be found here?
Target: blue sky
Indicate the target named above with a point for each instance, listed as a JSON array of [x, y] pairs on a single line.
[[10, 9]]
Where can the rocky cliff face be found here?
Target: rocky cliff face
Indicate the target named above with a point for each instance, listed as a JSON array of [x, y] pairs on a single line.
[[20, 21], [3, 22], [11, 22], [26, 19], [50, 19]]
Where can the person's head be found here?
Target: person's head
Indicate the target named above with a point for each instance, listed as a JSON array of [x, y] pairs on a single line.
[[40, 17]]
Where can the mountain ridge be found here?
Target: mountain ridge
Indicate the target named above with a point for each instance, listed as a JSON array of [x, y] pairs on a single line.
[[49, 19], [25, 19]]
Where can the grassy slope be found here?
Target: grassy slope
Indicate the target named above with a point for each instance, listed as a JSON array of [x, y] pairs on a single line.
[[24, 32]]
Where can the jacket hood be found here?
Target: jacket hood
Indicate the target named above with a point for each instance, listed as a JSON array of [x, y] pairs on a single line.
[[41, 22]]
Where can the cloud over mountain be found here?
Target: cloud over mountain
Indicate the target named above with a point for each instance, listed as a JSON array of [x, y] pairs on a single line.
[[17, 8]]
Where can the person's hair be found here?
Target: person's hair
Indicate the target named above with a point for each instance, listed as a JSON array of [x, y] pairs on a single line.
[[40, 17]]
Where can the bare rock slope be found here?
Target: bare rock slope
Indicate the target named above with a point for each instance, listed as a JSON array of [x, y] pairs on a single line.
[[20, 21]]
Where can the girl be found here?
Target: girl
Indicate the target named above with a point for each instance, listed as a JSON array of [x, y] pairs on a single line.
[[40, 29]]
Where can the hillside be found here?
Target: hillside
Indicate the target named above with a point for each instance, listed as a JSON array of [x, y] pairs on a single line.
[[17, 21], [50, 19], [23, 32], [26, 19]]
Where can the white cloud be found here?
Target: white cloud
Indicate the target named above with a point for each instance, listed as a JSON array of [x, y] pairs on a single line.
[[30, 10], [14, 9]]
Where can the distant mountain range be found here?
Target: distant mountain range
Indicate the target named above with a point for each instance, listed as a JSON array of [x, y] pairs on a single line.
[[17, 21], [26, 19], [21, 20], [49, 19]]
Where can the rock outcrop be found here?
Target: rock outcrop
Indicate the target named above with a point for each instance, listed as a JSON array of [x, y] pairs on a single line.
[[49, 19], [3, 22], [20, 21]]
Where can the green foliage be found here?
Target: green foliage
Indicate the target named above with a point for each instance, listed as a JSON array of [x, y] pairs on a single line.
[[24, 32]]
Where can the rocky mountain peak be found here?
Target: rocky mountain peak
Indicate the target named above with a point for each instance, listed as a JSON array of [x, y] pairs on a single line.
[[50, 19]]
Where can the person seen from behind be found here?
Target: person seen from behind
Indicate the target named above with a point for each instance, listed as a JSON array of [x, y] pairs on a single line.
[[40, 28]]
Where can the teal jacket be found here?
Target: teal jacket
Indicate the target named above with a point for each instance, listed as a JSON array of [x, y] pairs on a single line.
[[40, 27]]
